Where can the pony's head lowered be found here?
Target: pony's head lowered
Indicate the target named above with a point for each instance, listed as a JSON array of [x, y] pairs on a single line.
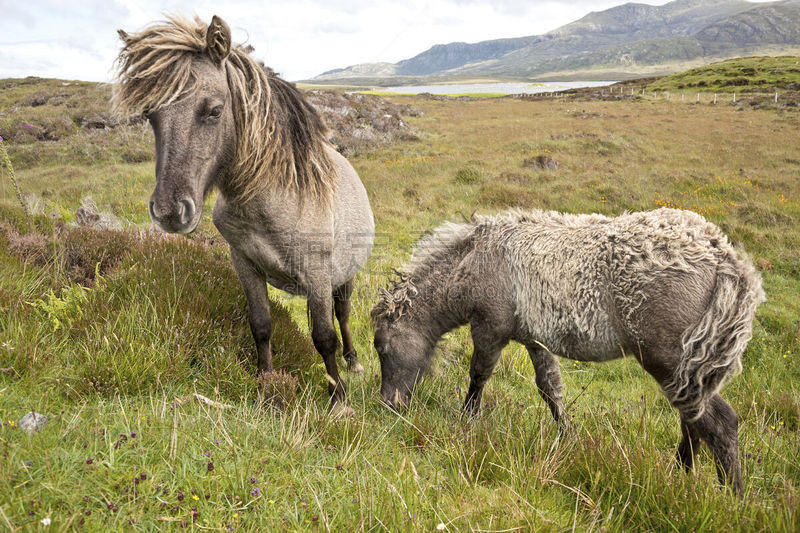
[[220, 118], [403, 345]]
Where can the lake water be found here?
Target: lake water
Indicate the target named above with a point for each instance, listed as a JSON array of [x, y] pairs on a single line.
[[505, 88]]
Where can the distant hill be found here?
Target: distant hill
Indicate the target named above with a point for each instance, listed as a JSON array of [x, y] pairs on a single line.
[[740, 75], [623, 41]]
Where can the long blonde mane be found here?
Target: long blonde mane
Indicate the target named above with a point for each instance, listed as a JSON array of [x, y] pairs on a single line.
[[281, 140]]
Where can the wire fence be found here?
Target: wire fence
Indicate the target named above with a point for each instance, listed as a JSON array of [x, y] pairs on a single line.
[[775, 99], [704, 97]]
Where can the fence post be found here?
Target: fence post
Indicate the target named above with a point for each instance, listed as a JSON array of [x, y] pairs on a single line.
[[776, 97], [734, 98], [715, 98], [698, 98], [683, 97], [642, 91]]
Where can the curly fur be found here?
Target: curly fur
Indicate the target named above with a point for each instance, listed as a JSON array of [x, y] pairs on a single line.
[[587, 286]]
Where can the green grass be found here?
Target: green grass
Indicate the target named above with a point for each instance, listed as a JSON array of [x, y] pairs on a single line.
[[740, 75], [165, 318]]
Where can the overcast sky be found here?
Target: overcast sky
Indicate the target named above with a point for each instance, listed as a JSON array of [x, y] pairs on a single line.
[[76, 39]]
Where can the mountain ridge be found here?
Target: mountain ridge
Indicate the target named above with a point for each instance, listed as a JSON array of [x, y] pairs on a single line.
[[632, 36]]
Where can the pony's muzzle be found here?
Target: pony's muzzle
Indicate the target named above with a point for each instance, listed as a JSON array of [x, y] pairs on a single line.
[[177, 218], [394, 400]]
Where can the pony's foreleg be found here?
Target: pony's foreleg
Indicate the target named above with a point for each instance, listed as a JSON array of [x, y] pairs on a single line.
[[255, 289], [487, 344], [341, 306], [548, 379], [323, 333]]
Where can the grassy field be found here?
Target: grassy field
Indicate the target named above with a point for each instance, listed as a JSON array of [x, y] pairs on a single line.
[[102, 331], [741, 75]]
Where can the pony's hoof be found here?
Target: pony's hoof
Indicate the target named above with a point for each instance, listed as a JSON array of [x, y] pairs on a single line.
[[355, 367], [342, 410]]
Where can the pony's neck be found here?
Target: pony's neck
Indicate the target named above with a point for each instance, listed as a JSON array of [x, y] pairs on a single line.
[[436, 310]]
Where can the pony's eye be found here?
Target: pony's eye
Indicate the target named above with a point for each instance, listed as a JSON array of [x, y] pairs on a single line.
[[216, 112]]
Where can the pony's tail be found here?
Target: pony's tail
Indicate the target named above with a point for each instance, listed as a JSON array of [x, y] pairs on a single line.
[[712, 350]]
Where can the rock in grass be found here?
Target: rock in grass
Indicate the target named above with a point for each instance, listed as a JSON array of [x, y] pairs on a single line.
[[89, 216], [541, 162], [32, 422]]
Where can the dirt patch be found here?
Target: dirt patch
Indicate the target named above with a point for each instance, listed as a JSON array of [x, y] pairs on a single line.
[[278, 388], [361, 122], [80, 253], [31, 247]]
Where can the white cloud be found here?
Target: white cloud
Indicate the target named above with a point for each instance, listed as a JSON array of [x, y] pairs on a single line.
[[298, 38]]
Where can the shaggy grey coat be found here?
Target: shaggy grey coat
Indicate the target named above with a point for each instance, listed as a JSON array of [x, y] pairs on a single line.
[[665, 286], [293, 210]]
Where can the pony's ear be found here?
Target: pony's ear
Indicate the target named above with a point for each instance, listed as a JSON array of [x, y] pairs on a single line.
[[123, 35], [218, 40]]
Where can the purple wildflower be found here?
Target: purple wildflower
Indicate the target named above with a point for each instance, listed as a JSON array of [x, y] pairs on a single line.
[[256, 492]]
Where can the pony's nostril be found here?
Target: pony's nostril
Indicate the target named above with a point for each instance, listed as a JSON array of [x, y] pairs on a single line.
[[186, 210]]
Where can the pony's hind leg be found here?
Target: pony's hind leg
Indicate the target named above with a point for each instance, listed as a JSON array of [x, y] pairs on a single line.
[[689, 446], [718, 426], [323, 333], [341, 306], [548, 379]]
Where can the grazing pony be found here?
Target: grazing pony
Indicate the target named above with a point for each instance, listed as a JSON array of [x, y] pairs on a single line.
[[293, 210], [664, 285]]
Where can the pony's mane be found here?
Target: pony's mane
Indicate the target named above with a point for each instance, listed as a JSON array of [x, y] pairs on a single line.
[[429, 252], [281, 139]]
